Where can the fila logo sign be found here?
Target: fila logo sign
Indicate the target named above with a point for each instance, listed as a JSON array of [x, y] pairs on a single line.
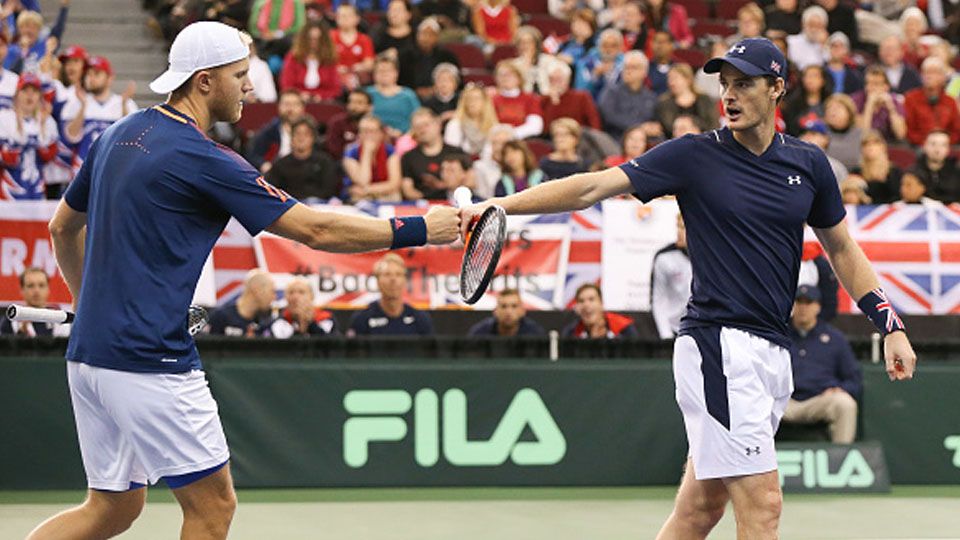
[[377, 417], [826, 467]]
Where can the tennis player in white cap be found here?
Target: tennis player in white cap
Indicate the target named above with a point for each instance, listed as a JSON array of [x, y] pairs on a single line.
[[131, 236]]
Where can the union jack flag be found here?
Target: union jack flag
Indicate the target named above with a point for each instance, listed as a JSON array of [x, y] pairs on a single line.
[[893, 321], [915, 250]]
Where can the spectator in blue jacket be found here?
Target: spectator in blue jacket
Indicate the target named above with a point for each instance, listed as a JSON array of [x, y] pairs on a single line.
[[390, 315], [826, 376], [32, 39], [509, 318], [601, 67]]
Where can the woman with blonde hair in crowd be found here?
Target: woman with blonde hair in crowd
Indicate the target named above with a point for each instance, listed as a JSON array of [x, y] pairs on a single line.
[[840, 115], [519, 167], [532, 62], [750, 23], [487, 170], [564, 161], [311, 65], [634, 144], [881, 175], [514, 106], [683, 97], [471, 123]]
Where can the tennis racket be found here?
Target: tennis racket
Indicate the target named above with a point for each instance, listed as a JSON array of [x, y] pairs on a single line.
[[484, 243], [196, 316]]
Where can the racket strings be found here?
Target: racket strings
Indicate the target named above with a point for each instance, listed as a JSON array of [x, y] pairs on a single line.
[[486, 244]]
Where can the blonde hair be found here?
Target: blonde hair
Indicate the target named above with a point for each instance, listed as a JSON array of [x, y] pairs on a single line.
[[566, 123], [753, 11], [847, 103], [855, 183], [512, 66], [488, 115], [878, 168], [29, 17], [389, 258]]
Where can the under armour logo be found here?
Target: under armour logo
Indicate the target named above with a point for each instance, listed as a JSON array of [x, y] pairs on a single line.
[[735, 49], [774, 65], [794, 180], [754, 450]]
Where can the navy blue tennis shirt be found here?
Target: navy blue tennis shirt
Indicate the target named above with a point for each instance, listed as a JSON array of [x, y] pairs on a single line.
[[744, 216], [157, 193]]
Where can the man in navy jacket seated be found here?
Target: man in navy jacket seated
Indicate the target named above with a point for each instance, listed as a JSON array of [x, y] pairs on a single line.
[[826, 376]]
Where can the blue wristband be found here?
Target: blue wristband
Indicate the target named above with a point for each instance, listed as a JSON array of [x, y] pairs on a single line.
[[408, 232], [880, 311]]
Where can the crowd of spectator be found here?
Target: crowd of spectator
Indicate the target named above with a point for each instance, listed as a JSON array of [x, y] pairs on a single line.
[[562, 81]]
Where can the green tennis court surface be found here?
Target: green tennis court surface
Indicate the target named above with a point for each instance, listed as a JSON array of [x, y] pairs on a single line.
[[911, 512]]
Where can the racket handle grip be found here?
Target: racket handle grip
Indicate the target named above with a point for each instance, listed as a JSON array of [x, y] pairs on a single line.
[[32, 314], [462, 196]]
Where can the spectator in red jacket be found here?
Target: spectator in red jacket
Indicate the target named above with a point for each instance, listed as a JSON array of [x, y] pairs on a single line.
[[559, 100], [311, 64], [495, 21], [929, 107], [354, 48], [593, 321], [514, 106]]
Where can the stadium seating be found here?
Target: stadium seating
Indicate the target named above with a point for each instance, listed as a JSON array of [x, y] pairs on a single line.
[[469, 55], [902, 156], [549, 25], [482, 77], [727, 9], [712, 28], [531, 7], [539, 147], [690, 56], [502, 52], [696, 9]]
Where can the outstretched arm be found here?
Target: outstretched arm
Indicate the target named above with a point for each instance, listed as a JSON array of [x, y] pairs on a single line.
[[346, 233], [564, 195], [855, 273]]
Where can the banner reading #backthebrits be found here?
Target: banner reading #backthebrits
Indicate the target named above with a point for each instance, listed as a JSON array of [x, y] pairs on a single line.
[[534, 260]]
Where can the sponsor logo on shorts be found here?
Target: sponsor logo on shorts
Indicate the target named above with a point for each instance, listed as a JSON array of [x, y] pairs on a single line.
[[753, 451]]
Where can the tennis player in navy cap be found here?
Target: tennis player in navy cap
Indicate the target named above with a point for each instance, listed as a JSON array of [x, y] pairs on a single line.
[[131, 236], [745, 192]]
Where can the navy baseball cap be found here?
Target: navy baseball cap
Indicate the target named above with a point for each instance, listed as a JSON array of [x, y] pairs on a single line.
[[754, 57], [808, 292]]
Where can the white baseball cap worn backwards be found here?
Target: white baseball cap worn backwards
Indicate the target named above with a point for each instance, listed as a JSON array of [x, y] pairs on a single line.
[[201, 45]]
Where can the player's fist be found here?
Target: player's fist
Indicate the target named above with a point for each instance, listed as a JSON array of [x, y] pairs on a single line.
[[899, 356], [443, 224], [468, 218]]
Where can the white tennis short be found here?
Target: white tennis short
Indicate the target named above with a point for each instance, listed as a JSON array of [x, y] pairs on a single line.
[[140, 427], [732, 388]]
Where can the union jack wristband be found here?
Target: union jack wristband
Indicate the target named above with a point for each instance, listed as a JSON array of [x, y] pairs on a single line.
[[880, 311], [408, 232]]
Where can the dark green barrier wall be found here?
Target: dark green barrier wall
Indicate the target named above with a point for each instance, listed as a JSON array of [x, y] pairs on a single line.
[[597, 423], [611, 422]]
